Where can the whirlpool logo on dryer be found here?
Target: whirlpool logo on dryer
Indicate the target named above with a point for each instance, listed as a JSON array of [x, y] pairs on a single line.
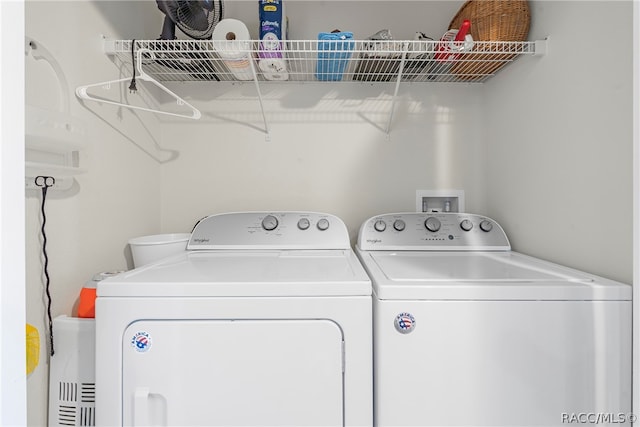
[[200, 240], [374, 241]]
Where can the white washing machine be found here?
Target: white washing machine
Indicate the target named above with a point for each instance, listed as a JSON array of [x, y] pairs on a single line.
[[264, 321], [469, 333]]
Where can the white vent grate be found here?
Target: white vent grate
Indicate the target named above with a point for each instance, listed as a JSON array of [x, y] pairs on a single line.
[[68, 392], [72, 390], [87, 416], [67, 415], [72, 412], [88, 393]]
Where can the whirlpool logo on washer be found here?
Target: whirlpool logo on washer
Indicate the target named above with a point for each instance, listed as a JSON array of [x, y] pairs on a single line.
[[405, 323], [141, 341]]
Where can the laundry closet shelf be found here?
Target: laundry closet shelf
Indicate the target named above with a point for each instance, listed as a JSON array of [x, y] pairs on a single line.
[[36, 168], [325, 61], [346, 61]]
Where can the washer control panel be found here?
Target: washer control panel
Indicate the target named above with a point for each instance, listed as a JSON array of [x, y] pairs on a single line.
[[432, 231], [270, 230]]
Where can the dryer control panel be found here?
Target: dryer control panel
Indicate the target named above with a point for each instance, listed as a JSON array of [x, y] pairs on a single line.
[[432, 231], [270, 230]]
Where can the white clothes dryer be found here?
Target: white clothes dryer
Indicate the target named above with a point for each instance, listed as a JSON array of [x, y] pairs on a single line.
[[264, 321], [470, 333]]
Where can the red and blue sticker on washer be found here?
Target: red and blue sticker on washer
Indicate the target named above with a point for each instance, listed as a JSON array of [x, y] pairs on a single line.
[[141, 341], [405, 323]]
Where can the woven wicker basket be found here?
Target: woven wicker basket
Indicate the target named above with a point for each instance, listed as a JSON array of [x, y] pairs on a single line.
[[491, 20]]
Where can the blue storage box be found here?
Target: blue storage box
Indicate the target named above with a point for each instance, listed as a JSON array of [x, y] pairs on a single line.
[[334, 51]]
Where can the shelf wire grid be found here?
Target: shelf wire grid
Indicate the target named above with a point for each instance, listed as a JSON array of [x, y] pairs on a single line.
[[321, 61]]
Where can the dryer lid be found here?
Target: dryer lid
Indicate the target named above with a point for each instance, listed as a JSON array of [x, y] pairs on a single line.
[[482, 276], [244, 273]]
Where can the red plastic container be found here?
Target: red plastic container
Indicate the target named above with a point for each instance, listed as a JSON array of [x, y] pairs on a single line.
[[87, 303]]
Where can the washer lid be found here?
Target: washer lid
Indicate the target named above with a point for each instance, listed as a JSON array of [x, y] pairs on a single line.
[[245, 273], [482, 276]]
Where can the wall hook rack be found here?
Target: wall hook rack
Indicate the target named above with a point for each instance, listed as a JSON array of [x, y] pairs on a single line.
[[82, 93], [53, 137]]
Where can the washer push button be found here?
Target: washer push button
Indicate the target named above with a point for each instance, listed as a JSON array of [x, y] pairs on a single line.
[[303, 223], [323, 224]]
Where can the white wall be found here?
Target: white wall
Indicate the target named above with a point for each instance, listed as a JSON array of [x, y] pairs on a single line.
[[362, 17], [328, 152], [119, 196], [559, 134]]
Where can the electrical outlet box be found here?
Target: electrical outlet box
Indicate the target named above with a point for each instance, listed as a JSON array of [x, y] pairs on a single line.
[[440, 201], [61, 183]]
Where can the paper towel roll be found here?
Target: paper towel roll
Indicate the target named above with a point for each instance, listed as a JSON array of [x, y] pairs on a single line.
[[273, 31], [232, 42]]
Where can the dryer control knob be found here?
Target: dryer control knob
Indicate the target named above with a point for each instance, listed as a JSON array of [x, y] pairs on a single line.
[[399, 225], [323, 224], [466, 225], [432, 224], [380, 225], [486, 226], [270, 222], [303, 223]]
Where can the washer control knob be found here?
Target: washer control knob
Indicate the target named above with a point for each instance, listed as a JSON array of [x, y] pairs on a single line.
[[466, 225], [303, 224], [323, 224], [399, 225], [380, 225], [269, 222], [432, 224], [486, 226]]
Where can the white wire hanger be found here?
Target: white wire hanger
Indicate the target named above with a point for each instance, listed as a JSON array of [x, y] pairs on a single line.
[[81, 91]]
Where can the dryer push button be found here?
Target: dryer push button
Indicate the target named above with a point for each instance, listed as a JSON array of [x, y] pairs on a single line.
[[270, 222], [380, 225]]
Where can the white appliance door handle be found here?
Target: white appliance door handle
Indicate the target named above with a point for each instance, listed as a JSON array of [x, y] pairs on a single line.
[[141, 406]]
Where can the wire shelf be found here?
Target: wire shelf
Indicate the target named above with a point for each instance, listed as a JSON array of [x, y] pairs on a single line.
[[331, 61], [322, 61]]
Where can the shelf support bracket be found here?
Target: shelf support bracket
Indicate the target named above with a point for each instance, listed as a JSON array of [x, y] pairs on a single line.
[[405, 51], [541, 46], [264, 116]]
